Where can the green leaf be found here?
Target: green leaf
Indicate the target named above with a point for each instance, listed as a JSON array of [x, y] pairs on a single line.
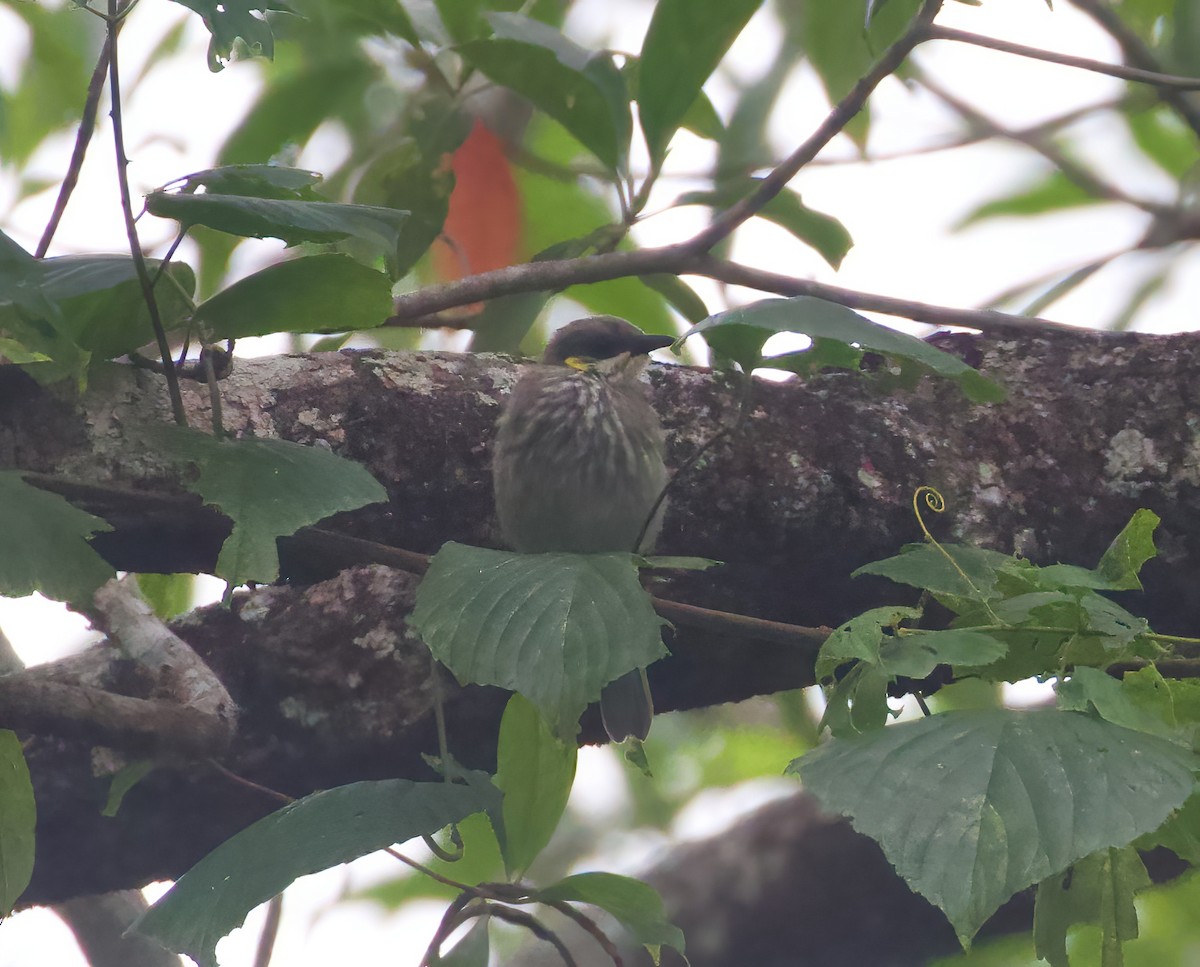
[[128, 777], [679, 294], [739, 334], [1098, 889], [1163, 138], [168, 594], [43, 544], [473, 950], [18, 817], [684, 43], [1055, 192], [554, 627], [972, 806], [823, 232], [314, 833], [291, 221], [635, 904], [581, 89], [319, 293], [252, 180], [99, 302], [859, 639], [535, 770], [962, 571], [917, 655], [842, 50], [270, 489], [1130, 549], [857, 703], [228, 23], [1090, 689]]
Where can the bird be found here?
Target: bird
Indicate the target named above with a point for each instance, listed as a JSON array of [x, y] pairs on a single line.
[[579, 467]]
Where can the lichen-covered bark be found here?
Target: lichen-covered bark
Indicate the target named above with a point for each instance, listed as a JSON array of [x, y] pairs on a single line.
[[815, 481]]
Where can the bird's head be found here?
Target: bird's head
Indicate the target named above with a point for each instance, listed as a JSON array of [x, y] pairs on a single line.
[[602, 344]]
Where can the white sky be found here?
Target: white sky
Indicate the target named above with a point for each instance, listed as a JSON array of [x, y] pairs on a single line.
[[898, 213]]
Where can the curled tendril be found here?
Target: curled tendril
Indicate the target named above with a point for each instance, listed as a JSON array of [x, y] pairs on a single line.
[[937, 503]]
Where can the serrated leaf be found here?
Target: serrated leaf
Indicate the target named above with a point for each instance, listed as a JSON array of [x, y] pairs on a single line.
[[535, 770], [859, 639], [292, 221], [270, 489], [635, 904], [739, 334], [972, 806], [1130, 549], [581, 89], [43, 544], [684, 43], [1092, 689], [1098, 889], [319, 293], [917, 655], [554, 627], [314, 833], [822, 232], [961, 571], [18, 817], [857, 702]]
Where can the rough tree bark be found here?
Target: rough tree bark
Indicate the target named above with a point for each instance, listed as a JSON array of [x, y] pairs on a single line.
[[818, 480]]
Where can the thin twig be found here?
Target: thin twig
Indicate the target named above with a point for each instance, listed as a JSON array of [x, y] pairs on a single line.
[[724, 224], [1153, 77], [113, 21], [539, 930], [1075, 172], [83, 137], [1138, 55], [589, 925], [275, 794]]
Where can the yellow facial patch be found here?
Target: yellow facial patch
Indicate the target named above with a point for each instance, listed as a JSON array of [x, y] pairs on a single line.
[[581, 363]]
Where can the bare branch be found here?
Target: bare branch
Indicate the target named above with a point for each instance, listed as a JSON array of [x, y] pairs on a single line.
[[1157, 78]]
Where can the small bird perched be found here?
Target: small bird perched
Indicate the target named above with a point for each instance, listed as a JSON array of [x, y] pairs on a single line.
[[578, 466]]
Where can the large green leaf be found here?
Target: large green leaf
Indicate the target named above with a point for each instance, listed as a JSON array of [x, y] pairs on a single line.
[[270, 489], [535, 770], [684, 43], [581, 89], [43, 544], [311, 834], [320, 293], [554, 627], [972, 806], [292, 221], [635, 904], [18, 817], [840, 336]]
